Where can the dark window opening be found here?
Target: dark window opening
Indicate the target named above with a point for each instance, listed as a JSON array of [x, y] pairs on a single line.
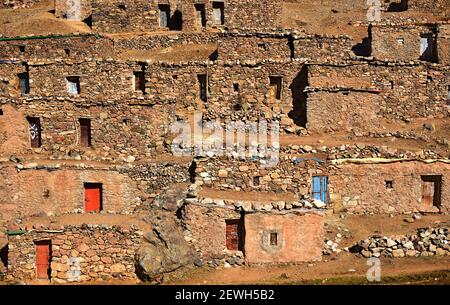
[[175, 77], [122, 6], [274, 239], [398, 6], [431, 190], [276, 83], [262, 46], [203, 86], [22, 49], [73, 84], [1, 111], [428, 48], [256, 181], [391, 84], [24, 82], [125, 122], [67, 51], [218, 13], [164, 15], [34, 127], [234, 234], [176, 21], [85, 132], [201, 15], [236, 87], [389, 184], [139, 81]]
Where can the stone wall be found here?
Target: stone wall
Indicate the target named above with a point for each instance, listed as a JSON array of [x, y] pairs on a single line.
[[78, 253], [117, 16], [299, 238], [205, 228], [361, 188], [397, 43], [18, 3]]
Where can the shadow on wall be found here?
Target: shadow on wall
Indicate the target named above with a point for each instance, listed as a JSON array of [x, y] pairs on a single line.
[[176, 21], [298, 86]]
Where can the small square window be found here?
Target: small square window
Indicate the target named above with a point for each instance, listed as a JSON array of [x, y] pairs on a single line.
[[401, 41], [1, 111], [256, 181], [22, 49], [389, 184], [236, 87], [73, 84], [262, 46], [274, 239], [139, 81], [67, 51], [24, 82]]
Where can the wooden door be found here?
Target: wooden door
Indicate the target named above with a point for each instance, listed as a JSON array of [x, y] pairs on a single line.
[[427, 193], [92, 197], [43, 259], [85, 132]]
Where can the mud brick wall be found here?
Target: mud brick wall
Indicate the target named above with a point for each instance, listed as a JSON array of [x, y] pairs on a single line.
[[299, 238], [386, 45], [79, 47], [78, 254], [205, 228], [40, 189], [360, 188], [118, 132]]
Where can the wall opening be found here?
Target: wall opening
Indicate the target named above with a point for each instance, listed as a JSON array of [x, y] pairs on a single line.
[[176, 21], [428, 47], [236, 87], [22, 49], [203, 86], [1, 111], [164, 15], [43, 259], [234, 234], [273, 239], [389, 184], [256, 180], [201, 15], [24, 82], [73, 85], [276, 87], [218, 13], [85, 132], [320, 188], [139, 81], [431, 190], [93, 197], [67, 52], [299, 97], [34, 127]]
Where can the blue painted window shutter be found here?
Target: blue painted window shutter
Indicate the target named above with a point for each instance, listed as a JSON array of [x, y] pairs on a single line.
[[320, 188]]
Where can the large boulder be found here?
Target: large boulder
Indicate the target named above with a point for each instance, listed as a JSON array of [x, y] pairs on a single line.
[[164, 249]]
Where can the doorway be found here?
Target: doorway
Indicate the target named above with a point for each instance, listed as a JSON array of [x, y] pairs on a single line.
[[92, 197], [431, 190], [43, 258]]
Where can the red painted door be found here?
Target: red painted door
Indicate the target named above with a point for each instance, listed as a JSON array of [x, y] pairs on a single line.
[[92, 197], [42, 259]]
